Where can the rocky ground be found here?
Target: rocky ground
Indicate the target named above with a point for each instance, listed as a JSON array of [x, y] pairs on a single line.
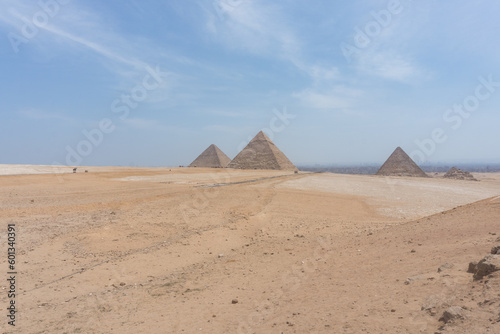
[[165, 251]]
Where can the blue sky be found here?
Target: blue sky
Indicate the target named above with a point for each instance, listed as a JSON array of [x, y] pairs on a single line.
[[153, 83]]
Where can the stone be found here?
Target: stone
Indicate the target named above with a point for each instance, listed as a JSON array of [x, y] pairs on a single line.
[[495, 249], [489, 264], [234, 301], [472, 267], [432, 303], [453, 313], [445, 266]]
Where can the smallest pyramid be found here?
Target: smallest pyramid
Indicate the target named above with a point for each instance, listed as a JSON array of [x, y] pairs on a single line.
[[400, 164], [458, 174], [212, 157]]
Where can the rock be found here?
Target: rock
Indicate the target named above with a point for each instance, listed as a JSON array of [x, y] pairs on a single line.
[[413, 278], [234, 301], [490, 263], [495, 249], [472, 267], [220, 255], [453, 313], [445, 266], [432, 303]]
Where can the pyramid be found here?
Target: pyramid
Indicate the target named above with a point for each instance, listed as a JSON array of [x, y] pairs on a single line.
[[261, 153], [212, 157], [400, 164], [458, 174]]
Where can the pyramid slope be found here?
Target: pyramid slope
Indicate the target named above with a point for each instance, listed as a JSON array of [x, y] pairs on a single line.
[[212, 157], [261, 153], [400, 164]]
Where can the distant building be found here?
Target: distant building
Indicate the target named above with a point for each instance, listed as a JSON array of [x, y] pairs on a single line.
[[261, 153], [400, 164], [212, 157]]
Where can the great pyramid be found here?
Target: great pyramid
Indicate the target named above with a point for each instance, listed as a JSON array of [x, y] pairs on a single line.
[[212, 157], [400, 164], [261, 153]]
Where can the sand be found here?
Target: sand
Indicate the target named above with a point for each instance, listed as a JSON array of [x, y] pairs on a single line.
[[403, 197], [145, 250], [54, 169]]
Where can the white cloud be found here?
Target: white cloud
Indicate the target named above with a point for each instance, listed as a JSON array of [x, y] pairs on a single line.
[[256, 27], [391, 65], [141, 123], [150, 125], [99, 48], [338, 97], [391, 52], [74, 28], [319, 73]]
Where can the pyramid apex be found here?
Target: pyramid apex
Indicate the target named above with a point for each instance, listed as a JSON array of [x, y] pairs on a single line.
[[261, 136]]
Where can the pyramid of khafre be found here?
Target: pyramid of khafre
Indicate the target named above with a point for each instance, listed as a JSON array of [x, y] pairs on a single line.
[[211, 157], [400, 164], [261, 153]]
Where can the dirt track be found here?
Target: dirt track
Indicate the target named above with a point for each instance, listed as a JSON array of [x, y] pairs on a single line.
[[149, 250]]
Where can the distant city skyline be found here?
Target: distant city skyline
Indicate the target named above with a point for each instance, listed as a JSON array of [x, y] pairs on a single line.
[[148, 83]]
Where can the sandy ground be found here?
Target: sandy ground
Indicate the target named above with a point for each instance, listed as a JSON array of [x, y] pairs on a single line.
[[49, 169], [164, 251], [404, 198]]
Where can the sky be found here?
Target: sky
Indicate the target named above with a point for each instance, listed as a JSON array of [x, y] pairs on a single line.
[[154, 83]]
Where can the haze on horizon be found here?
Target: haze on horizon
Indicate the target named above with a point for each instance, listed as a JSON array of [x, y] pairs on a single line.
[[148, 83]]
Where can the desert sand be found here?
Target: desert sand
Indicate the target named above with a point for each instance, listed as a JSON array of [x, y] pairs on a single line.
[[193, 250]]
